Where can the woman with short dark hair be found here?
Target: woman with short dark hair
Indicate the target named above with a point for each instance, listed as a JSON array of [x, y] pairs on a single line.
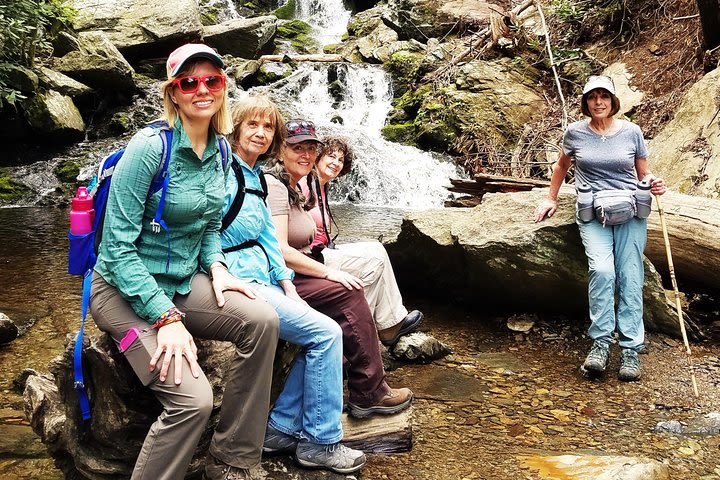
[[610, 159]]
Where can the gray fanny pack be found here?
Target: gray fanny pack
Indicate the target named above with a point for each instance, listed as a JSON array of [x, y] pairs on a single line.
[[614, 207]]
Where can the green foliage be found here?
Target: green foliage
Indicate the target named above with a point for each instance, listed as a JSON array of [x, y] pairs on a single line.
[[568, 11], [26, 29]]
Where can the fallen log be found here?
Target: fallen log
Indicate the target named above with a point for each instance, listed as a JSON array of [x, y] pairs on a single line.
[[316, 57], [379, 434]]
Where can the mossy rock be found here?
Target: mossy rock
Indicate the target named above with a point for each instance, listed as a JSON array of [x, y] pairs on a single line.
[[67, 171], [300, 35], [120, 122], [286, 12], [404, 66], [404, 133], [577, 71], [11, 190], [272, 72]]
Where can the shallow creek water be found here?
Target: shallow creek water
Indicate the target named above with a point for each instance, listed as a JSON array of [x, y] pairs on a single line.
[[491, 410]]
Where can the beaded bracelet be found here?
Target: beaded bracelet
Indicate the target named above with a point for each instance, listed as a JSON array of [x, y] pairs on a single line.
[[170, 316]]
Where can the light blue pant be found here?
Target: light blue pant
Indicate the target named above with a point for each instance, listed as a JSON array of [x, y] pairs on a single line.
[[310, 404], [615, 259]]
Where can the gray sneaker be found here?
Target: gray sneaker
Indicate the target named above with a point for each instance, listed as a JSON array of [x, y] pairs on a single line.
[[277, 442], [596, 361], [629, 365], [336, 457], [218, 470]]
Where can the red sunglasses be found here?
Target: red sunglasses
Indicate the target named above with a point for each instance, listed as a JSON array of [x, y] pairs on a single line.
[[191, 83]]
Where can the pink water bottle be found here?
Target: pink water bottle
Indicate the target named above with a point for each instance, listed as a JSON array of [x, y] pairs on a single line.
[[82, 213]]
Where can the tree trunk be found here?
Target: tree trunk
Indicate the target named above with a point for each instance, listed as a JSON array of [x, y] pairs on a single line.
[[710, 20]]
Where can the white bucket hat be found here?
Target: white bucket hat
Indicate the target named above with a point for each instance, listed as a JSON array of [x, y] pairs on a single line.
[[599, 81]]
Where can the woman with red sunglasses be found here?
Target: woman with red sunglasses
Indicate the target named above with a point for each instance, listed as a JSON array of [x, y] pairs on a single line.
[[172, 284]]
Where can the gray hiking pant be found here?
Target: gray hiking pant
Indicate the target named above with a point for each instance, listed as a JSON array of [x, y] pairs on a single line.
[[252, 325]]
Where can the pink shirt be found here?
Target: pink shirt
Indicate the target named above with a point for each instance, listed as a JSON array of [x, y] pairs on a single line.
[[316, 214]]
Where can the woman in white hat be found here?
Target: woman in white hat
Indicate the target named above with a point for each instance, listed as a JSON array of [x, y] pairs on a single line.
[[155, 289], [610, 159]]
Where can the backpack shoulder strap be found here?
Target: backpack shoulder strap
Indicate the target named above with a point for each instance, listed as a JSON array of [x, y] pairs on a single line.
[[263, 185], [237, 202], [225, 150]]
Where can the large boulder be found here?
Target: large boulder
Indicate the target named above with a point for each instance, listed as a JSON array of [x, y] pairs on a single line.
[[242, 37], [97, 64], [685, 152], [135, 25], [20, 78], [62, 83], [54, 114], [494, 255]]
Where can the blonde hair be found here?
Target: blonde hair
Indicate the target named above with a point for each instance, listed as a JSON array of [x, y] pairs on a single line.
[[221, 121], [258, 105]]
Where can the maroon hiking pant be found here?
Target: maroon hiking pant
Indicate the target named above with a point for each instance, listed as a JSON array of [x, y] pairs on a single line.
[[361, 349]]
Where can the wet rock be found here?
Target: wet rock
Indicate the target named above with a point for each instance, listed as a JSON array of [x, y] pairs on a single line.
[[97, 64], [671, 426], [419, 347], [140, 27], [708, 424], [581, 467], [20, 381], [521, 322], [54, 114], [8, 329], [244, 72], [242, 37]]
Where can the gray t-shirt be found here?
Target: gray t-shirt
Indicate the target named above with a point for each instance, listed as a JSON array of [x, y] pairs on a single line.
[[605, 162]]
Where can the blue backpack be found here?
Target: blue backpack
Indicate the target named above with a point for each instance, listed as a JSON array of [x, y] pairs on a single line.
[[84, 248]]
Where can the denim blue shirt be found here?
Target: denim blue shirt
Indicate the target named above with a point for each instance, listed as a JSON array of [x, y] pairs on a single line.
[[253, 222]]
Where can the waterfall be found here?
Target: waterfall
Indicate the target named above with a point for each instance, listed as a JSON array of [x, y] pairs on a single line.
[[329, 18], [352, 101]]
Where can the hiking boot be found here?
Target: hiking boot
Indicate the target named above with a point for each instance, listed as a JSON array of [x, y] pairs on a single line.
[[629, 365], [277, 442], [596, 361], [396, 400], [336, 457], [217, 470]]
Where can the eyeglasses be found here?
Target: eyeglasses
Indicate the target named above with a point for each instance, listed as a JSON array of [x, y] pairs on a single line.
[[295, 127], [191, 83]]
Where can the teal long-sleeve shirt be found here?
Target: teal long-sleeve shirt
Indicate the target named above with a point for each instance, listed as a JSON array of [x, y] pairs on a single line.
[[253, 222], [132, 257]]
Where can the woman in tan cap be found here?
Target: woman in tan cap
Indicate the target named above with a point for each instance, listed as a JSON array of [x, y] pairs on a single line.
[[610, 167], [161, 280]]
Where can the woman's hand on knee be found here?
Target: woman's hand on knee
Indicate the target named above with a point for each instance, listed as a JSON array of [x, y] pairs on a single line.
[[348, 280], [223, 280], [175, 341]]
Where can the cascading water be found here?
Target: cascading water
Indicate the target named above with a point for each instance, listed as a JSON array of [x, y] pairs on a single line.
[[352, 101], [329, 18]]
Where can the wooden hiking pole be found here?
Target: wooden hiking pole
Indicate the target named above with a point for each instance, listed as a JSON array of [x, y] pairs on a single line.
[[671, 267]]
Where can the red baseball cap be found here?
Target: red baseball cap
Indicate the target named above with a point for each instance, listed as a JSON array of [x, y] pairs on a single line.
[[300, 131], [180, 55]]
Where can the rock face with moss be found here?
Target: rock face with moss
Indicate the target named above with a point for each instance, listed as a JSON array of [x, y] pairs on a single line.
[[423, 19], [55, 114], [685, 152]]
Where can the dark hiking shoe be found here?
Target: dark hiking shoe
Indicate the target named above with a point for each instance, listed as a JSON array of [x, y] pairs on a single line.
[[218, 470], [336, 457], [277, 442], [395, 401], [629, 365], [596, 361]]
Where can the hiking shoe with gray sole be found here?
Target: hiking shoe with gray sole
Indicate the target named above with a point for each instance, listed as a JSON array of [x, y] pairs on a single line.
[[629, 365], [596, 361], [395, 401], [217, 470], [336, 457], [277, 442]]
